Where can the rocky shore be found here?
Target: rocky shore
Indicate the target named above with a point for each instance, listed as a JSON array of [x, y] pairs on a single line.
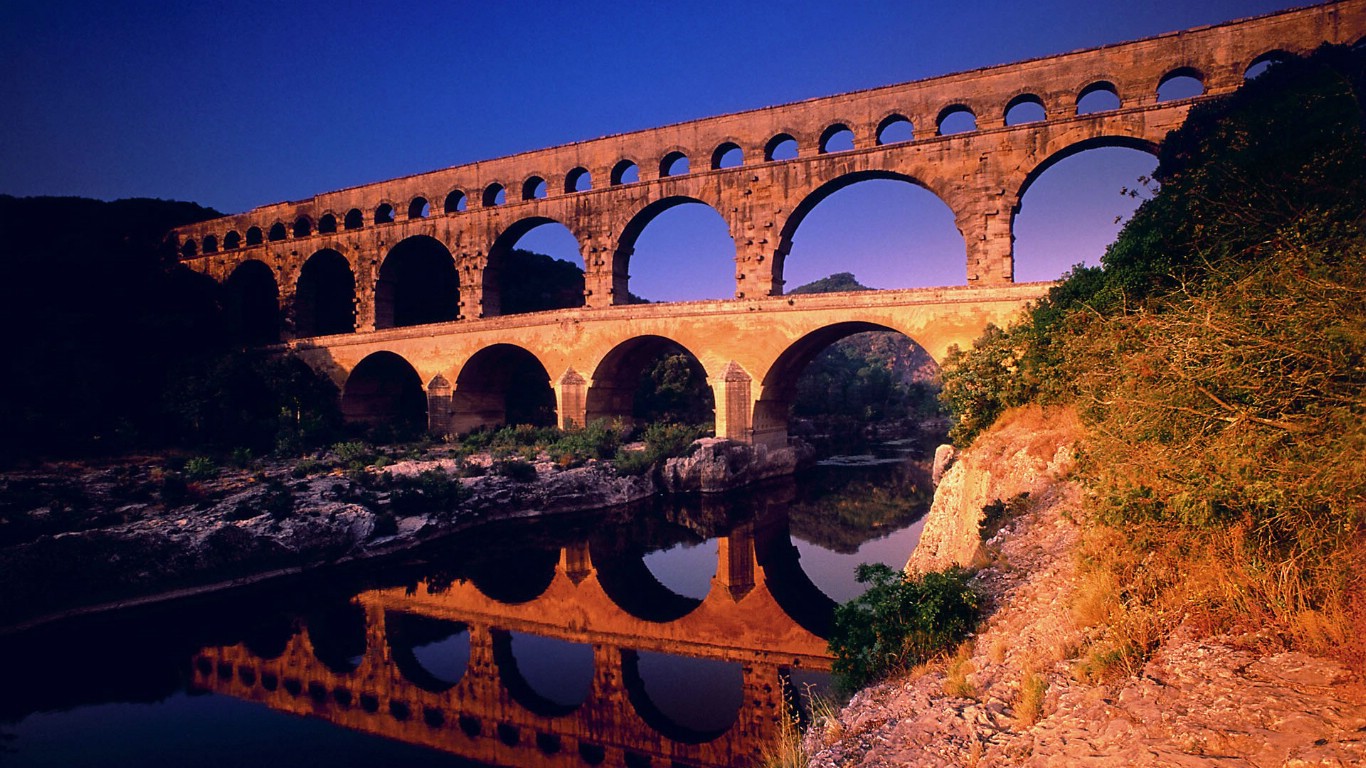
[[83, 537], [1012, 696]]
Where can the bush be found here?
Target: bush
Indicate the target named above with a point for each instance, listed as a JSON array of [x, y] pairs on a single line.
[[899, 622], [431, 490], [354, 454], [201, 468], [516, 470]]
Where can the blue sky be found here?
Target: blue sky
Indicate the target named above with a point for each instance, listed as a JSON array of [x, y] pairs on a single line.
[[235, 105]]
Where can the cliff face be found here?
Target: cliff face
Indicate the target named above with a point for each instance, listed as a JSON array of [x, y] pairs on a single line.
[[1013, 695]]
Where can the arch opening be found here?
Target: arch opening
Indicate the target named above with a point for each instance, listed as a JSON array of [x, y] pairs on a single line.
[[337, 634], [781, 147], [419, 208], [675, 249], [1073, 205], [836, 138], [502, 384], [252, 304], [232, 240], [327, 224], [455, 202], [535, 188], [1262, 63], [254, 236], [1025, 108], [625, 172], [674, 164], [303, 227], [417, 285], [210, 244], [384, 392], [514, 577], [1181, 83], [325, 299], [957, 118], [690, 700], [727, 155], [885, 229], [432, 654], [494, 194], [1100, 96], [384, 214], [354, 219], [578, 180], [548, 676], [534, 266], [188, 249], [894, 129], [276, 233], [630, 584], [651, 379]]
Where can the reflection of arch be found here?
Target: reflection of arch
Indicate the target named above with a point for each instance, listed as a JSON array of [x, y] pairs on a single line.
[[780, 383], [626, 244], [510, 291], [252, 303], [269, 635], [407, 632], [790, 585], [385, 389], [417, 284], [502, 384], [666, 724], [1128, 142], [630, 584], [337, 634], [515, 577], [612, 394], [524, 690], [816, 197], [324, 300]]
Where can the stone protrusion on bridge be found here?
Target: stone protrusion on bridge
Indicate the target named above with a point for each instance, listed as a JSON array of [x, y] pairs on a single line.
[[439, 407], [734, 403], [571, 393]]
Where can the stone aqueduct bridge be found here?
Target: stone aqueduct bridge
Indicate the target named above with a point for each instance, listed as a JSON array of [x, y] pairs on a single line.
[[345, 271], [493, 715]]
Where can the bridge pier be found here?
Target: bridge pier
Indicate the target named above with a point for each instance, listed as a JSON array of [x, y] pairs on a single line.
[[734, 403]]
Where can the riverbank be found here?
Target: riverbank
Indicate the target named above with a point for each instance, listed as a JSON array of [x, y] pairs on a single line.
[[79, 537], [1024, 692]]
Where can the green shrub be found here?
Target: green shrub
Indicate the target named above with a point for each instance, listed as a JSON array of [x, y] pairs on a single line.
[[431, 490], [201, 468], [598, 440], [899, 622], [354, 454], [516, 470]]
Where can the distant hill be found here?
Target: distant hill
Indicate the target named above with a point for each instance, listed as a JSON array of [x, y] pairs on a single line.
[[836, 283]]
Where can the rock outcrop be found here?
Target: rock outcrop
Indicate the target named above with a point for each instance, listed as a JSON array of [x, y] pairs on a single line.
[[717, 465]]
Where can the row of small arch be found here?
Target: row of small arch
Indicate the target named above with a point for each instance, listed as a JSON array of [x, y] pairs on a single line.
[[1097, 96]]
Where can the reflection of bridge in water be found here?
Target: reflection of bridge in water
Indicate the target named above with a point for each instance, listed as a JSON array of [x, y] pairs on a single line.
[[762, 618]]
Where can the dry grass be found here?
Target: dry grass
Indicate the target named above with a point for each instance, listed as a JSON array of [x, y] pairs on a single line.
[[1029, 704], [960, 665]]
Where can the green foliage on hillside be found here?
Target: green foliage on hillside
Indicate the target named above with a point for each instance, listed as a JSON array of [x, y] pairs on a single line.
[[836, 283], [1218, 357], [535, 282]]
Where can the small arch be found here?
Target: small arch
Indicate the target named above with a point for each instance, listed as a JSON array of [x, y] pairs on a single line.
[[325, 297], [494, 194], [232, 240], [625, 172], [277, 232], [1099, 96], [1262, 63], [955, 118], [578, 180], [210, 244], [189, 249], [894, 129], [535, 188], [456, 201], [417, 284], [1025, 108], [419, 208], [674, 164], [385, 390], [254, 236], [354, 219], [727, 155], [327, 224], [836, 138], [780, 147], [502, 384], [303, 227], [1181, 83], [384, 214]]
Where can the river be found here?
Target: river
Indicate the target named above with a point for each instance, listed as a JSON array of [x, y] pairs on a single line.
[[665, 634]]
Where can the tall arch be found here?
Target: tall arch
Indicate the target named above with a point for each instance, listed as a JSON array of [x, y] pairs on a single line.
[[502, 384], [325, 298], [720, 284], [252, 303], [817, 196], [517, 281], [417, 284], [384, 390]]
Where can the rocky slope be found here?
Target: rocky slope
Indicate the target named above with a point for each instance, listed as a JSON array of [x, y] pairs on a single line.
[[1012, 697]]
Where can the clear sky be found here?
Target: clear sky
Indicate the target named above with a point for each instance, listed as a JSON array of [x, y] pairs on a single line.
[[239, 104]]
